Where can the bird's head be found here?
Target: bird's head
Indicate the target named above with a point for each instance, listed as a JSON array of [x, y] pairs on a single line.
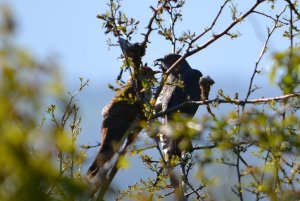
[[168, 60], [206, 81]]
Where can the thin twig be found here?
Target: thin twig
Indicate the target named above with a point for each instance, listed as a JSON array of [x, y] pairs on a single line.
[[145, 148], [246, 164], [293, 7], [212, 24], [225, 31], [228, 100], [205, 147], [86, 146], [210, 41], [185, 55], [196, 190], [270, 17], [149, 26], [263, 51], [68, 107], [175, 183], [237, 150], [214, 38]]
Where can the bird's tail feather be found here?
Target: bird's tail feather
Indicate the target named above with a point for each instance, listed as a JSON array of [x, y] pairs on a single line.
[[100, 166], [93, 170]]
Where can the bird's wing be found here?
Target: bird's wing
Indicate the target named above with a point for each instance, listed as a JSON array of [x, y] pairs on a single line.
[[192, 86], [118, 117], [167, 91], [190, 91]]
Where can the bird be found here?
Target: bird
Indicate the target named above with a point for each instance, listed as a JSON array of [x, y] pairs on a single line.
[[205, 83], [121, 116], [173, 94]]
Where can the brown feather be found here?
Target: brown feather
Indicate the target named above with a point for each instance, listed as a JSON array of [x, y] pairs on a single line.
[[118, 117]]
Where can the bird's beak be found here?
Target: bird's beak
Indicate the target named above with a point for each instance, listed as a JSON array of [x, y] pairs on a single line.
[[155, 72], [159, 60]]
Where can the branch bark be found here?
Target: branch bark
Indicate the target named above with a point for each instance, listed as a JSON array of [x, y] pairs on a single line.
[[215, 37], [230, 101]]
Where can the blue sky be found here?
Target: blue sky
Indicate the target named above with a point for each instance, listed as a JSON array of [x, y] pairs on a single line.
[[70, 32]]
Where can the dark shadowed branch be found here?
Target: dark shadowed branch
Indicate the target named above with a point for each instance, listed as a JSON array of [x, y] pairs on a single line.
[[293, 8]]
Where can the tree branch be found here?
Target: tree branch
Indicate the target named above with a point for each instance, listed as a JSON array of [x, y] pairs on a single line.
[[262, 53], [149, 26], [175, 183], [228, 100], [269, 16], [292, 7], [225, 31], [205, 147], [215, 37]]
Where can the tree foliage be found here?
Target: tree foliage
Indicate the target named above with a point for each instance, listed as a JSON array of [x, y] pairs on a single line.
[[39, 159], [258, 141]]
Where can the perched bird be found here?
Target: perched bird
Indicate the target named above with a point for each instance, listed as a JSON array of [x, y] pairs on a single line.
[[182, 84], [121, 116], [205, 84]]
